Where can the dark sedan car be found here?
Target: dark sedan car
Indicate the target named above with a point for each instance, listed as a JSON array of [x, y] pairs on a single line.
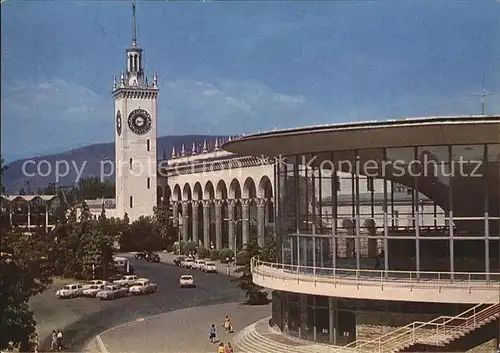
[[153, 258], [178, 260]]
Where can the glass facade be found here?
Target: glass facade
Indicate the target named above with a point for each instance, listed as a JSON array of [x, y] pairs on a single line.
[[421, 208]]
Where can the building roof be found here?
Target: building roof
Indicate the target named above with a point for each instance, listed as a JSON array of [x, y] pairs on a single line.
[[29, 198], [430, 131]]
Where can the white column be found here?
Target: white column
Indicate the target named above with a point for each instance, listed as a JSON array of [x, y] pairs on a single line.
[[218, 224], [206, 224], [261, 219], [231, 225], [185, 221], [245, 213], [29, 214], [194, 205], [46, 217]]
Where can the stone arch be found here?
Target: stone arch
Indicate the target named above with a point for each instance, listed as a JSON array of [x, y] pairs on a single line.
[[221, 190], [209, 192], [234, 189], [176, 196], [266, 191], [265, 188], [197, 191], [186, 192], [249, 189]]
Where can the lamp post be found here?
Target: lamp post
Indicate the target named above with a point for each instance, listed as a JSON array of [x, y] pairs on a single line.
[[235, 222]]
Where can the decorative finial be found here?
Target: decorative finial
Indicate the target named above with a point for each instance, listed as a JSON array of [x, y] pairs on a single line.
[[183, 151], [217, 144], [174, 155], [193, 149], [122, 79], [134, 30], [205, 147], [155, 80], [164, 157], [146, 82], [114, 81], [230, 138]]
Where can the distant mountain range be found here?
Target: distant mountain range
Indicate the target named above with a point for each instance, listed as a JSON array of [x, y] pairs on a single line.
[[85, 159]]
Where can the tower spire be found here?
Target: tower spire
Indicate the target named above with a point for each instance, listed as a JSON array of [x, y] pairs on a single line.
[[134, 28]]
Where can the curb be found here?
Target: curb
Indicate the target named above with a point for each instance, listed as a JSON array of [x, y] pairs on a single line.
[[100, 344]]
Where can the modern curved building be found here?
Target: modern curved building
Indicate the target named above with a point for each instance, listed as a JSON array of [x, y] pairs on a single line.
[[364, 280]]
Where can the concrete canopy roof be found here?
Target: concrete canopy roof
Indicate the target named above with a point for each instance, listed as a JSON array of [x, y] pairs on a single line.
[[29, 198], [431, 131]]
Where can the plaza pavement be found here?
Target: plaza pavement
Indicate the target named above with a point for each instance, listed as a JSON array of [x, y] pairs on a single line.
[[181, 331]]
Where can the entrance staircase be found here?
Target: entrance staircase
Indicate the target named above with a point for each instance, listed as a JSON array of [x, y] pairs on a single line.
[[438, 332]]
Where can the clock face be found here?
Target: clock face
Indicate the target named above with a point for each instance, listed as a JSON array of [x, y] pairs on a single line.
[[119, 123], [139, 121]]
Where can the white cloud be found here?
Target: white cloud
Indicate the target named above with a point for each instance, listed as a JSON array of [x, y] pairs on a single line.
[[230, 106], [43, 117]]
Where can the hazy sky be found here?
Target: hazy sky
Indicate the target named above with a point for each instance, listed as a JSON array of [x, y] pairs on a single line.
[[238, 67]]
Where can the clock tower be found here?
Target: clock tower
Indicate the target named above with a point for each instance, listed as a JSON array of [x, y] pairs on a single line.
[[135, 135]]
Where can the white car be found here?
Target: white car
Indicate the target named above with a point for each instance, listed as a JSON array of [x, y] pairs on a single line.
[[210, 267], [143, 286], [95, 282], [187, 262], [198, 265], [127, 280], [70, 291], [186, 281], [93, 290]]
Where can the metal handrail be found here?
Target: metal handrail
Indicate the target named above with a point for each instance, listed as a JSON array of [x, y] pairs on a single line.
[[417, 331], [367, 275]]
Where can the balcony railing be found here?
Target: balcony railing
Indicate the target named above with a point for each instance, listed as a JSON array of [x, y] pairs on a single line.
[[437, 332], [368, 277]]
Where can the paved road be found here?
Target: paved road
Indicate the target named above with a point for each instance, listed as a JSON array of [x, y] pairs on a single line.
[[81, 319]]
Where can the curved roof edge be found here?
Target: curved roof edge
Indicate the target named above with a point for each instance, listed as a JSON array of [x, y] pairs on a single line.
[[29, 198], [241, 145]]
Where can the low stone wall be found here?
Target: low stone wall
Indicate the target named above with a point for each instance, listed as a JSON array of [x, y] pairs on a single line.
[[373, 324]]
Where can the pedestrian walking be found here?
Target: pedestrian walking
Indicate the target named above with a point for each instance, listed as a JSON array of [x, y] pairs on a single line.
[[221, 348], [59, 340], [212, 334], [229, 349], [53, 342]]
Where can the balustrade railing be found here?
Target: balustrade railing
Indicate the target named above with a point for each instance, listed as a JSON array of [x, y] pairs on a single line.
[[437, 332], [373, 276]]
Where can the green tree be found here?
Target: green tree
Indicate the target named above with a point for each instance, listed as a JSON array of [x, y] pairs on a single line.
[[269, 251], [164, 226], [26, 272], [94, 188], [255, 294], [3, 168]]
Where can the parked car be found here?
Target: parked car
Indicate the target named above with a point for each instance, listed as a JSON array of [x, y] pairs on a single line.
[[127, 280], [143, 286], [112, 291], [70, 291], [186, 281], [94, 283], [210, 267], [187, 263], [141, 255], [198, 265], [178, 260], [153, 258], [93, 290]]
